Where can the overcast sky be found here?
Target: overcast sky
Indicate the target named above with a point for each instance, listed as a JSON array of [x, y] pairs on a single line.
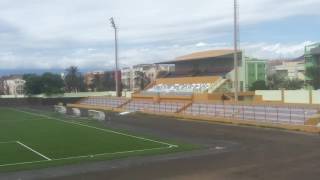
[[54, 34]]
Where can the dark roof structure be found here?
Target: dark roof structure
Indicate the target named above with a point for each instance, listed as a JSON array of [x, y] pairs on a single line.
[[203, 55]]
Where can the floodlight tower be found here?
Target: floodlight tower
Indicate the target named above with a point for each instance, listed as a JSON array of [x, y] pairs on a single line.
[[113, 24], [236, 41]]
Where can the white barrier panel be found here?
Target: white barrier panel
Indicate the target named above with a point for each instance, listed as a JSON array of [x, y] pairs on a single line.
[[60, 109], [76, 112], [124, 113], [98, 115]]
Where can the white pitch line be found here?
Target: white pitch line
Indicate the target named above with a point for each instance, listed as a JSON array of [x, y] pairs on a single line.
[[22, 163], [7, 142], [29, 148], [84, 156], [106, 130]]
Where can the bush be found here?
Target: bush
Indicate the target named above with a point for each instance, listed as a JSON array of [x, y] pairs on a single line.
[[258, 85]]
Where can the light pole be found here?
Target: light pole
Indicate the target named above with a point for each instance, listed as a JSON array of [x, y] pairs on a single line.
[[235, 56], [116, 55]]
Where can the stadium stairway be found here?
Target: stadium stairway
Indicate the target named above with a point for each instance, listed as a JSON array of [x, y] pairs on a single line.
[[185, 107], [216, 85], [127, 102]]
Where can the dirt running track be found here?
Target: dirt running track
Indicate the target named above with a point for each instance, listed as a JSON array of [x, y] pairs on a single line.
[[231, 153]]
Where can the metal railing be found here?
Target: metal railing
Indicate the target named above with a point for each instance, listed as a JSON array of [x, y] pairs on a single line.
[[103, 101], [259, 113], [268, 113], [151, 106]]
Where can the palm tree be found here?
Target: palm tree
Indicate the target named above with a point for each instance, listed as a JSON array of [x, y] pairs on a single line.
[[73, 79]]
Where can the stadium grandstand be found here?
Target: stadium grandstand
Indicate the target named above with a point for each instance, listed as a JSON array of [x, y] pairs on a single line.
[[202, 87], [201, 72], [208, 72]]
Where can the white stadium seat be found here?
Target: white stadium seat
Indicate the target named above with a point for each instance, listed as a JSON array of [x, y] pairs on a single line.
[[76, 112], [60, 109], [98, 115], [176, 88]]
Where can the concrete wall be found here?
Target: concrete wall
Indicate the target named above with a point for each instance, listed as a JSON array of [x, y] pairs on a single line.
[[69, 95], [316, 97], [290, 96], [296, 96], [270, 95], [13, 102]]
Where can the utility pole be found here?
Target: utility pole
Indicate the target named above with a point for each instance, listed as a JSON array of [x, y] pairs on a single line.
[[236, 41], [116, 56]]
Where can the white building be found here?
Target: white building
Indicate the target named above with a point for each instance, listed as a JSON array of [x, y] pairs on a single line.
[[293, 69], [13, 85], [126, 78], [130, 76]]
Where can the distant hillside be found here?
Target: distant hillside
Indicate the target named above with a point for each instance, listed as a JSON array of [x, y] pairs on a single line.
[[4, 72]]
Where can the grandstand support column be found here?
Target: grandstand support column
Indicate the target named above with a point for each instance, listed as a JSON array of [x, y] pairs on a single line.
[[236, 40], [116, 56]]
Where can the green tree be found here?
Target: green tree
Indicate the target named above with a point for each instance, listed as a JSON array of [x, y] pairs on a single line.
[[275, 81], [279, 81], [293, 84], [82, 85], [108, 81], [47, 83], [52, 83], [258, 85], [33, 84], [313, 73], [73, 80], [104, 82], [97, 82]]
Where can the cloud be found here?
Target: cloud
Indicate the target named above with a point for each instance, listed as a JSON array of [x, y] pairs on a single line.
[[275, 50], [99, 59], [141, 19], [201, 44], [60, 33]]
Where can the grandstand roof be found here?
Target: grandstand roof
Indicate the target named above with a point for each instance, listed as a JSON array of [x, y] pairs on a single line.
[[202, 55]]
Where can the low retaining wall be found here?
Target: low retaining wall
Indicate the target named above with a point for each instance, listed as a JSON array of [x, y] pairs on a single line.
[[290, 96], [181, 116], [306, 124], [36, 101], [72, 95]]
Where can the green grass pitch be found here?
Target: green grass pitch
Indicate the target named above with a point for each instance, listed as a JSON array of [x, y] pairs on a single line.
[[31, 139]]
